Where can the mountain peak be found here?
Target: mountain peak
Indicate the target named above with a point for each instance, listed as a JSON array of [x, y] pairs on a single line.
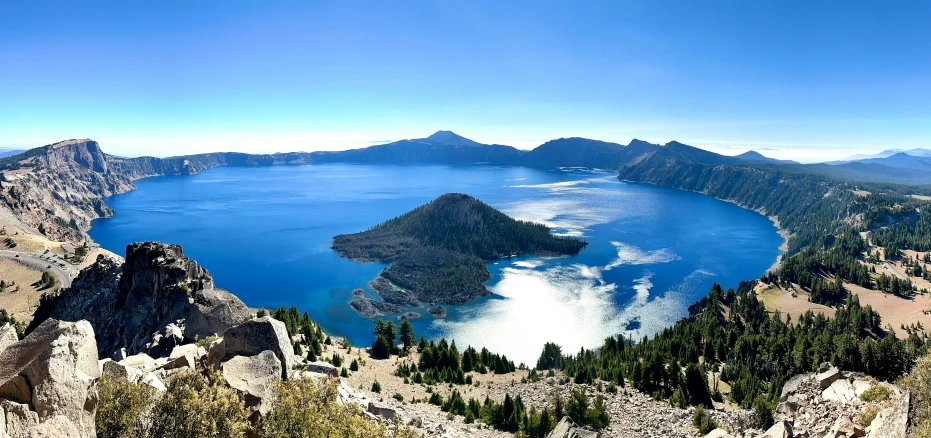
[[450, 138], [752, 155]]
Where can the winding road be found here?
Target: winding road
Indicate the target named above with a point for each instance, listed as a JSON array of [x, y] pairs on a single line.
[[47, 262]]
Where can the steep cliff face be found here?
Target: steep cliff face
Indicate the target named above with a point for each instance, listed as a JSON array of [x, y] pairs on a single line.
[[60, 191], [57, 190], [129, 303]]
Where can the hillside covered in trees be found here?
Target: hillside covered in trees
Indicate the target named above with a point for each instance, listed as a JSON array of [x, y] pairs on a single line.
[[438, 251]]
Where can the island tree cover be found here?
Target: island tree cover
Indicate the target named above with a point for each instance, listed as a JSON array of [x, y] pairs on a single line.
[[438, 250]]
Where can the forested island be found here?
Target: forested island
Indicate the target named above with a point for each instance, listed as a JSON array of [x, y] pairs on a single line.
[[438, 251]]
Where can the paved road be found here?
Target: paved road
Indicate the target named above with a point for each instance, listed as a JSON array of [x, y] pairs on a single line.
[[894, 271], [35, 260]]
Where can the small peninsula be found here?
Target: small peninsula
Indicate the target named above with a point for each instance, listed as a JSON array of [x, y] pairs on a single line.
[[438, 251]]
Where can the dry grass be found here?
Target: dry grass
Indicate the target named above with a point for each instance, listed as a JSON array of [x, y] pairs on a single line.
[[20, 304]]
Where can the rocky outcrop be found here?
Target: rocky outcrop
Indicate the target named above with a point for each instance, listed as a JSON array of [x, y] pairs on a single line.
[[134, 304], [254, 378], [323, 368], [56, 427], [59, 189], [253, 337], [370, 308], [7, 336], [830, 404], [567, 429], [54, 372]]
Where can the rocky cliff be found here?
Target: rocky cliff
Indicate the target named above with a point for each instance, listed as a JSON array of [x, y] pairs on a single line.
[[57, 190], [154, 300]]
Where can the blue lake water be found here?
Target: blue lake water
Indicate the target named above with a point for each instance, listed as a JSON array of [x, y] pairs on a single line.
[[265, 233]]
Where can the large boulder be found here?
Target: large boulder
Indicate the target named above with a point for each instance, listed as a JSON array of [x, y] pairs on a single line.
[[16, 419], [567, 429], [840, 391], [58, 361], [322, 368], [127, 302], [828, 377], [782, 429], [255, 336], [254, 378], [58, 426], [892, 422], [185, 356]]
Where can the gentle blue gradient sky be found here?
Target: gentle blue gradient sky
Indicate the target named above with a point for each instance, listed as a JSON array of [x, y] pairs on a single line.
[[803, 80]]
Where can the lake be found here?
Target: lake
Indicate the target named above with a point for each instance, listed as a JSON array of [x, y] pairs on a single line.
[[264, 233]]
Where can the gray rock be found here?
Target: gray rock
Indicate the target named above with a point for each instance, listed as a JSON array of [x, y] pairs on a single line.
[[782, 429], [215, 352], [321, 368], [567, 429], [141, 361], [846, 428], [16, 419], [17, 389], [828, 377], [840, 391], [254, 378], [152, 380], [370, 308], [7, 336], [718, 433], [383, 411], [58, 360], [185, 356], [120, 372], [793, 384], [892, 422], [255, 336], [58, 426]]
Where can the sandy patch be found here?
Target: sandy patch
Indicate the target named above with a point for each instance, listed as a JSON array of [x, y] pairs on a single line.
[[775, 298], [893, 310]]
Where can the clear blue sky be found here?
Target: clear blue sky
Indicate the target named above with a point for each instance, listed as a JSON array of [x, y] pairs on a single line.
[[804, 80]]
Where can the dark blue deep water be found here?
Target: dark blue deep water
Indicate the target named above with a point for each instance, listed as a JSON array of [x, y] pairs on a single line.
[[265, 232]]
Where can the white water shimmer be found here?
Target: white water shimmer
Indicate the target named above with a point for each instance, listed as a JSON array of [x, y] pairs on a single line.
[[631, 255], [570, 305]]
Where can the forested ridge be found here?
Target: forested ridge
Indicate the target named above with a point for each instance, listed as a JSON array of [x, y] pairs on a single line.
[[458, 223], [438, 251]]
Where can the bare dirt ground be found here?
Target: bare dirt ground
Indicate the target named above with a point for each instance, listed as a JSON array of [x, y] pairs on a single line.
[[894, 310], [22, 299]]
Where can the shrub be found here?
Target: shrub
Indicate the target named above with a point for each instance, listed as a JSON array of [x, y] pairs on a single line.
[[198, 405], [305, 408], [123, 408], [376, 387], [868, 415], [876, 394], [703, 421], [205, 342]]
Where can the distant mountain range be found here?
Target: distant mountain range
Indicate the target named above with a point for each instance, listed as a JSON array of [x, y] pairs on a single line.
[[91, 175], [917, 152]]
